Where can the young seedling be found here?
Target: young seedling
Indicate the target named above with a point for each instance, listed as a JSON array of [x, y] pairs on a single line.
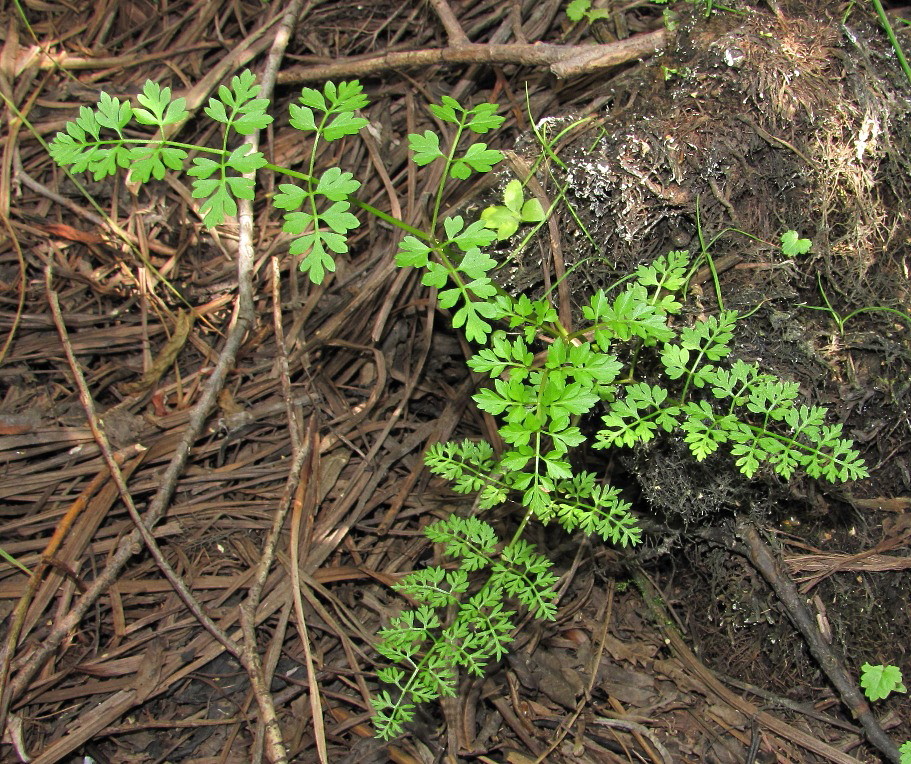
[[878, 683], [635, 366], [505, 219]]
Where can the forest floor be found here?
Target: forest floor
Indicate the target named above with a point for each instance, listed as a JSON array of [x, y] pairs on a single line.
[[306, 421]]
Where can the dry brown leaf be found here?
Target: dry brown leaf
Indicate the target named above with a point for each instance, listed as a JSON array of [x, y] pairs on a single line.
[[166, 356]]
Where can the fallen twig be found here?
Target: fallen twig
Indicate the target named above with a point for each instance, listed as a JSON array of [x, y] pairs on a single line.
[[693, 664], [762, 559], [563, 60]]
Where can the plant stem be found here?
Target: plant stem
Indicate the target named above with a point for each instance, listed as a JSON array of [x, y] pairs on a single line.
[[890, 33]]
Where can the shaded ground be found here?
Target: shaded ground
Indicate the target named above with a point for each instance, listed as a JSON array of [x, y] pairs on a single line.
[[790, 116]]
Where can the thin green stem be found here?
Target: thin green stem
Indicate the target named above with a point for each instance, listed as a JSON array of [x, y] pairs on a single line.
[[311, 169], [840, 321], [280, 170], [438, 201], [369, 208], [890, 33], [708, 258], [522, 524]]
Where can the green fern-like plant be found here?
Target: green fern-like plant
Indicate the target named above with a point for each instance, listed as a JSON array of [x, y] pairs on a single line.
[[636, 366]]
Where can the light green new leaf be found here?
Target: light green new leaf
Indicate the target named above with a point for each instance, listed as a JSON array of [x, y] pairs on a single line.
[[577, 8], [500, 219], [513, 196], [505, 220], [532, 212], [792, 244], [905, 751], [881, 681]]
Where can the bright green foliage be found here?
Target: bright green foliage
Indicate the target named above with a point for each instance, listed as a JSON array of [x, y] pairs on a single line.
[[480, 119], [666, 276], [581, 9], [330, 113], [317, 212], [431, 652], [637, 367], [881, 681], [83, 146], [629, 315], [792, 244], [505, 220], [454, 262], [539, 397], [238, 109]]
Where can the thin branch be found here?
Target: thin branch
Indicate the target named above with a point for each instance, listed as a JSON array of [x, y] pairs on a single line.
[[454, 31], [88, 405], [563, 60], [760, 555], [275, 748]]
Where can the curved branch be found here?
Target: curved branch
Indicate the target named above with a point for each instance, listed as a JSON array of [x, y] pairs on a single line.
[[563, 60]]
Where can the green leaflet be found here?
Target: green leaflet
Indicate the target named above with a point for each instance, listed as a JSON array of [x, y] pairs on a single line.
[[636, 371]]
